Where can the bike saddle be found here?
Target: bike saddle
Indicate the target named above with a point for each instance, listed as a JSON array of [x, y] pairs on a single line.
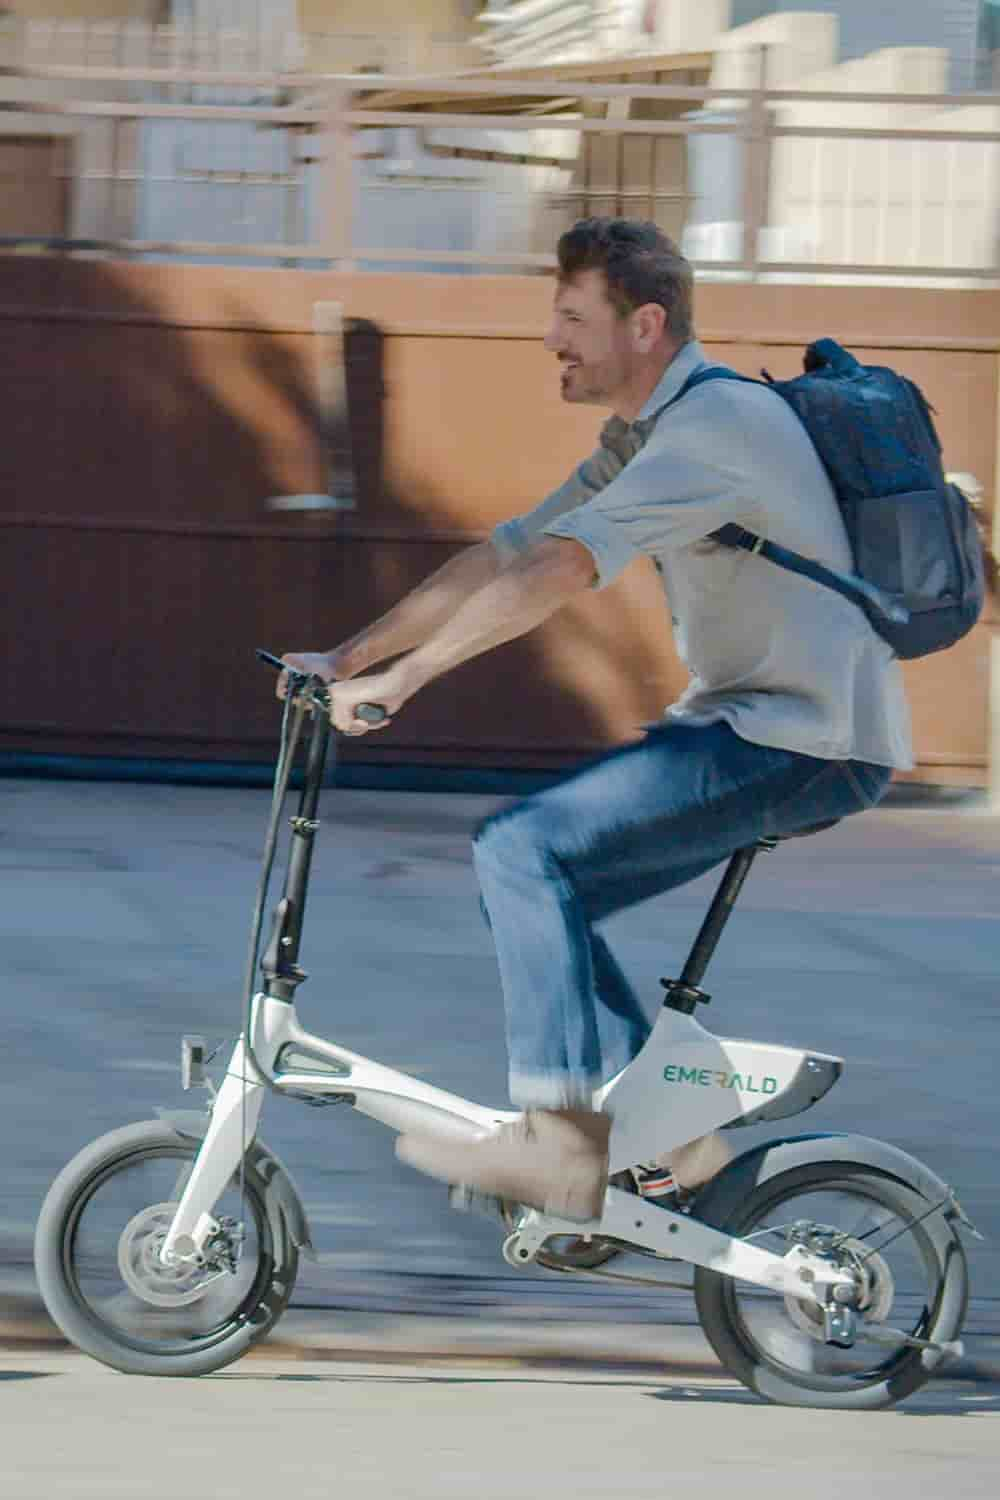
[[800, 833]]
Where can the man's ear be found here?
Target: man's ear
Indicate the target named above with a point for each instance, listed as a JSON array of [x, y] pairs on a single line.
[[649, 322]]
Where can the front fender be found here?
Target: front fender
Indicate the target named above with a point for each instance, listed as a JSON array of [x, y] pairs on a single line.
[[720, 1197], [284, 1206]]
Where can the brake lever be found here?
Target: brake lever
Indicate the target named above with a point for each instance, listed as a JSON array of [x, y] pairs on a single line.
[[296, 680]]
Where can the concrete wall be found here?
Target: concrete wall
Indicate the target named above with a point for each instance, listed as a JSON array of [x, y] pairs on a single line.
[[849, 202], [866, 27], [887, 202]]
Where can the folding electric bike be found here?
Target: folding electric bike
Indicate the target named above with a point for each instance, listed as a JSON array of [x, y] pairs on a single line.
[[171, 1246]]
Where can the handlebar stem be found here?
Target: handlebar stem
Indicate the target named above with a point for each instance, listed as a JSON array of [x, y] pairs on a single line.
[[279, 964]]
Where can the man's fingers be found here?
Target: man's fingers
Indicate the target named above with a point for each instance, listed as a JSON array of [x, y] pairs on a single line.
[[295, 664], [352, 726]]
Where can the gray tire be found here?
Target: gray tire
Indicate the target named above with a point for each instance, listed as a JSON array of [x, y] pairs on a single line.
[[744, 1328], [108, 1324]]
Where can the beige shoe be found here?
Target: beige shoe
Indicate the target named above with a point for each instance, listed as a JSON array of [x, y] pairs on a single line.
[[692, 1165], [555, 1160]]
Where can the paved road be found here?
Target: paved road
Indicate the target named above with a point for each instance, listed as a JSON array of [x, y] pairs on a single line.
[[124, 922], [425, 1432]]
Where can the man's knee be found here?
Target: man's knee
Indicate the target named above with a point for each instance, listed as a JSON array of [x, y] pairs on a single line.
[[510, 836]]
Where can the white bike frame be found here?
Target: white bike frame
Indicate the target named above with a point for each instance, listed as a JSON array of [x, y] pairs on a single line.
[[683, 1083]]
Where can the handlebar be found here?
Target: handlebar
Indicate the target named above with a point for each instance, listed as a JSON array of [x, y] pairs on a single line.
[[298, 682]]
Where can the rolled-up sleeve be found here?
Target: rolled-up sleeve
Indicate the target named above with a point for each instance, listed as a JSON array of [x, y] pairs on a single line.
[[668, 496], [511, 538]]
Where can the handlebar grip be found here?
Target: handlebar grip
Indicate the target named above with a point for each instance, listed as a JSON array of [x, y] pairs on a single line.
[[370, 713]]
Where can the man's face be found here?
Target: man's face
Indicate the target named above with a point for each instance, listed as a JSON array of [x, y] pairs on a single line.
[[593, 342]]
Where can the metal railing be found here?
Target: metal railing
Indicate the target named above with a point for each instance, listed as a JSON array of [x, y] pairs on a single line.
[[306, 140]]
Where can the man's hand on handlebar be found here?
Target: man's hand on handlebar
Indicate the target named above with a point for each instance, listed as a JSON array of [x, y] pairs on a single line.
[[351, 702], [322, 664], [381, 688]]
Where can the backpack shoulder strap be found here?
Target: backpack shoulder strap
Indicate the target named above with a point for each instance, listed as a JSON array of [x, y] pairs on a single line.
[[873, 600], [709, 372]]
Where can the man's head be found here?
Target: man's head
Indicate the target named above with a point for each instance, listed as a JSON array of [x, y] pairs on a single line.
[[622, 310]]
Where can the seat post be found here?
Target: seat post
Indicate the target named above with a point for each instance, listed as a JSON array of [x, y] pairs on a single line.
[[684, 994]]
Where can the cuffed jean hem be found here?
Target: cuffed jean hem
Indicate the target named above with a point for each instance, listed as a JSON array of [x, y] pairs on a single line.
[[552, 1090]]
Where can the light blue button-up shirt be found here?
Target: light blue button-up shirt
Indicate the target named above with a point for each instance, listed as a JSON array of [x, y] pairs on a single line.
[[785, 661]]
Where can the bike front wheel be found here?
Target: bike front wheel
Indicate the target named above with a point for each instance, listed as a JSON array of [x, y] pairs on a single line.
[[911, 1272], [98, 1268]]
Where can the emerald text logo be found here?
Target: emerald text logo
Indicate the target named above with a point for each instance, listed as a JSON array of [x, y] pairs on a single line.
[[706, 1077]]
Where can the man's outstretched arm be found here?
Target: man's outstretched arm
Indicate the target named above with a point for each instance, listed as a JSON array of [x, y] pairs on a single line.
[[410, 622], [513, 602]]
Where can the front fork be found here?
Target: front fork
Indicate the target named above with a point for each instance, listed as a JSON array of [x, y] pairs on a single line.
[[235, 1114]]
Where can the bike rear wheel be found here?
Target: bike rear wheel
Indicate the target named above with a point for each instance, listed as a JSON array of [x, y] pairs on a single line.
[[98, 1269], [912, 1274]]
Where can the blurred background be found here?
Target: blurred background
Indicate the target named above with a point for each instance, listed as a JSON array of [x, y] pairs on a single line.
[[273, 279]]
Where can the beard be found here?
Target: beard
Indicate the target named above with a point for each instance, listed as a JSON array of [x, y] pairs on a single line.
[[581, 384]]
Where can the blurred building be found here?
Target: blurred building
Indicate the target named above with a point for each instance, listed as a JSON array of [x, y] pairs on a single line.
[[857, 202], [487, 192], [962, 28], [534, 30], [967, 30]]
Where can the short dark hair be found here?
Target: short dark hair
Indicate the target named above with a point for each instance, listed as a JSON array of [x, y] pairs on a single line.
[[640, 264]]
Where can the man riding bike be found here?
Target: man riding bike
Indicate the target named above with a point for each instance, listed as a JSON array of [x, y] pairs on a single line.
[[795, 712]]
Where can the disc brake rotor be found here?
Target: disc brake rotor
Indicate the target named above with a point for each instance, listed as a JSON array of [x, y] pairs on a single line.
[[145, 1274], [876, 1290]]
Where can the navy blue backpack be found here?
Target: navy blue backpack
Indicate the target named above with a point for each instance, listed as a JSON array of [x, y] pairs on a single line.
[[918, 559]]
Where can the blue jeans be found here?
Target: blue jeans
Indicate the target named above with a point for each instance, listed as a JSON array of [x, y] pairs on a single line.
[[640, 821]]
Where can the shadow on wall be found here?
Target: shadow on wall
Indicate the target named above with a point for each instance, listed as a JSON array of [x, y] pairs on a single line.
[[545, 700], [150, 415]]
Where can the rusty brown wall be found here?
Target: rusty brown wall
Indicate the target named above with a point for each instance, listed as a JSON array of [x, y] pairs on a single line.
[[151, 411]]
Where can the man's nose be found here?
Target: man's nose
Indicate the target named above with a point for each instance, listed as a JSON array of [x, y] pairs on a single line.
[[552, 342]]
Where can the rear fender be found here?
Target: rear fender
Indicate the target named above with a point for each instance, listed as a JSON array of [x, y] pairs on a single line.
[[284, 1206], [721, 1196]]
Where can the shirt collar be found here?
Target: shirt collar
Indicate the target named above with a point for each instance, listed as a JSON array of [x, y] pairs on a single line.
[[683, 364], [616, 431]]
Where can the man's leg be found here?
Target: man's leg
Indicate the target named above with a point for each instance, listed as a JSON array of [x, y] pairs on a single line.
[[640, 821], [634, 825]]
